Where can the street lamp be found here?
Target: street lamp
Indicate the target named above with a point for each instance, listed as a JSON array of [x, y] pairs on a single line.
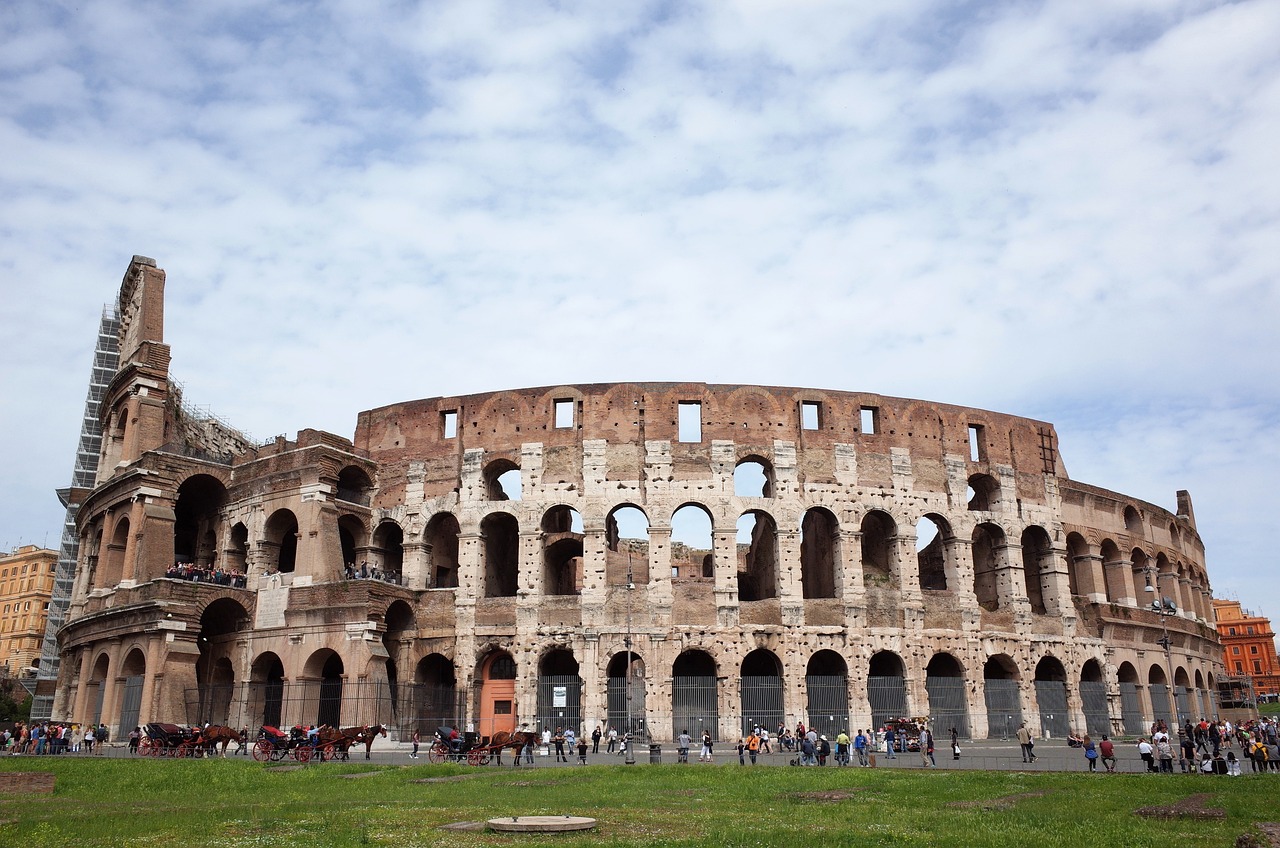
[[1165, 607], [626, 691]]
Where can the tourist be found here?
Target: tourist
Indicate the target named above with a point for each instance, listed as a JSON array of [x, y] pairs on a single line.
[[582, 751], [1108, 751], [613, 740], [1090, 752], [1147, 753], [683, 741], [595, 739], [1027, 741], [860, 747], [753, 746], [926, 748], [889, 741], [705, 756], [955, 745], [417, 739]]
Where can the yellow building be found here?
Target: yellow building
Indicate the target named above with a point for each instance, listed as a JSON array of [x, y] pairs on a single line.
[[26, 584]]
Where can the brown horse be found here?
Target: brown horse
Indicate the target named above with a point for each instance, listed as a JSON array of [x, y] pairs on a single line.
[[217, 734], [340, 739], [364, 735], [515, 742]]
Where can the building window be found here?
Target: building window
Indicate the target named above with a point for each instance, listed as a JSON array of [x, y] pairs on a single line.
[[502, 708], [1257, 667], [1250, 631], [810, 415], [870, 420], [564, 413], [1239, 668], [1231, 631], [977, 444], [449, 423], [1253, 649], [1235, 651], [689, 421]]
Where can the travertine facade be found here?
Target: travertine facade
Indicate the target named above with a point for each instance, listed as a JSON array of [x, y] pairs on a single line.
[[866, 557]]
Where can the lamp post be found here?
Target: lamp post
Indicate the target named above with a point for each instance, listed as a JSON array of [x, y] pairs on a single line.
[[1164, 607], [628, 739]]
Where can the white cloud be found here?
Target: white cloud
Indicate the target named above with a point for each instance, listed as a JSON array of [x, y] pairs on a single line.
[[1058, 209]]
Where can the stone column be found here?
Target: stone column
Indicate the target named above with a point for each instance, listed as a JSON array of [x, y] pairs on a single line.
[[725, 544], [790, 585], [415, 570], [660, 591], [154, 668], [79, 713], [960, 551]]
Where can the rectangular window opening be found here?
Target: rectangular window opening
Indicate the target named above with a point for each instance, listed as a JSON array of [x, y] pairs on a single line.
[[690, 420], [977, 445], [810, 415], [502, 708], [870, 420], [564, 413], [449, 423]]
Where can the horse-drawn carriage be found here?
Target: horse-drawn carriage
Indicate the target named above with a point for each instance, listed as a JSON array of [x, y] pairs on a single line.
[[471, 748], [275, 744], [168, 740]]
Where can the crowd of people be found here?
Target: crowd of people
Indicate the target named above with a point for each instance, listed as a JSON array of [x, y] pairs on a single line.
[[366, 572], [199, 574], [1203, 748], [46, 738]]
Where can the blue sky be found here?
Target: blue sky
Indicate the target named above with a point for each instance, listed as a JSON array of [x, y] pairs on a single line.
[[1062, 210]]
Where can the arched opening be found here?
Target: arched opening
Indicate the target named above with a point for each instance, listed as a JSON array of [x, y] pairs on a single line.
[[114, 571], [626, 695], [388, 551], [1037, 563], [761, 686], [757, 556], [695, 695], [196, 516], [396, 641], [501, 533], [1181, 694], [933, 552], [502, 480], [627, 539], [436, 695], [948, 702], [753, 478], [1093, 696], [562, 552], [351, 534], [1158, 689], [354, 486], [827, 686], [1079, 572], [1114, 571], [1138, 563], [984, 493], [1131, 700], [1132, 521], [441, 538], [281, 532], [497, 701], [97, 684], [559, 691], [879, 560], [691, 543], [1051, 698], [327, 666], [266, 689], [819, 553], [886, 688], [238, 551], [220, 625], [1003, 696], [987, 540], [134, 671]]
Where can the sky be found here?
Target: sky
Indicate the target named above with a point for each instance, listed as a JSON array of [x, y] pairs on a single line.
[[1063, 210]]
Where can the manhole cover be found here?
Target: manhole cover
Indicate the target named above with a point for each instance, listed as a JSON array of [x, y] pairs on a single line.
[[541, 824]]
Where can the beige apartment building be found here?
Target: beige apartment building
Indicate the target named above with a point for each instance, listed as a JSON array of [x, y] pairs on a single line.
[[26, 584]]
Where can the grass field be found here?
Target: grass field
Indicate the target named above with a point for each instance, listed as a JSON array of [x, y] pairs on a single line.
[[238, 803]]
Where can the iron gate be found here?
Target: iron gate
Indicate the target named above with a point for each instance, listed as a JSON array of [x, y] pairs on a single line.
[[1097, 715], [1160, 703], [1183, 699], [761, 702], [948, 705], [1131, 709], [130, 705], [1051, 699], [559, 702], [618, 714], [1004, 707], [828, 704], [695, 707], [888, 699]]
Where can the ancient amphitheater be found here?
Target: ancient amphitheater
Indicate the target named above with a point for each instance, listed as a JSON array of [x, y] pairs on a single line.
[[673, 555]]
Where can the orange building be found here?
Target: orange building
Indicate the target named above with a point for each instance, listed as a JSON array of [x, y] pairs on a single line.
[[1249, 646], [26, 584]]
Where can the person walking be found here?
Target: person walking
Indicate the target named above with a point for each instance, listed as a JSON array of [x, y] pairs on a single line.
[[705, 756], [417, 738], [1146, 752], [860, 747], [582, 751], [613, 740], [926, 749], [890, 738], [1090, 753], [753, 746], [842, 748], [1027, 741], [955, 745], [683, 741]]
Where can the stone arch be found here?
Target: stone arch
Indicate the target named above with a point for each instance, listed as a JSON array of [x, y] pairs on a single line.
[[1051, 697], [761, 690], [827, 690], [197, 515], [758, 563], [1139, 562], [1002, 693], [237, 553], [326, 667], [562, 551], [935, 552], [222, 621], [886, 687], [988, 539], [1115, 571], [819, 553], [1037, 565], [1131, 714], [281, 541], [496, 696], [559, 690], [879, 544], [441, 539], [266, 689], [984, 493], [753, 477], [397, 639], [388, 550], [502, 481], [1093, 698], [501, 550], [692, 545], [354, 485], [1133, 520], [435, 694], [353, 537], [695, 694], [625, 693], [627, 542], [948, 698]]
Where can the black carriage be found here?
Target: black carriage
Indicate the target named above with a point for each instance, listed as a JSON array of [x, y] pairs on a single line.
[[275, 744], [470, 749], [168, 740]]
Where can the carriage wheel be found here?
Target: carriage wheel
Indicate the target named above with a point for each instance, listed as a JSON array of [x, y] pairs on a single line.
[[148, 747], [302, 753], [437, 754], [478, 757], [327, 753], [262, 751]]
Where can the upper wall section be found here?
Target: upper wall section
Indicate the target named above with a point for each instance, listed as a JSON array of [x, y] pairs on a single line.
[[821, 424]]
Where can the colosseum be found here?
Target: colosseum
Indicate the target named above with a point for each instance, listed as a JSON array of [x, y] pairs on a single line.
[[652, 556]]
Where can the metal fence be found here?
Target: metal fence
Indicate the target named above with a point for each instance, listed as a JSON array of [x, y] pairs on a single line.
[[1051, 699], [828, 704], [948, 704], [559, 701], [1004, 707], [761, 703], [1093, 695], [695, 706], [888, 699]]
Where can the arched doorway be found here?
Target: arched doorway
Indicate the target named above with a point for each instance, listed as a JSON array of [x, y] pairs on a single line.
[[819, 553], [886, 688], [761, 691], [695, 695], [827, 686], [215, 677], [1051, 698], [948, 702], [266, 689], [327, 667], [1003, 696], [626, 695], [436, 695], [200, 499], [1158, 689], [497, 694], [1131, 700], [559, 691], [1093, 696], [133, 670]]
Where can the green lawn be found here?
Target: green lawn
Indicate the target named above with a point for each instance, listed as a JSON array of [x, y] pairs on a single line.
[[239, 803]]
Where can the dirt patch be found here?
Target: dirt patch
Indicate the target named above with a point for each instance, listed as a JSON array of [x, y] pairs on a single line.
[[1270, 837], [450, 779], [829, 795], [1191, 807], [1003, 803], [463, 826], [26, 783], [358, 775], [533, 783]]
